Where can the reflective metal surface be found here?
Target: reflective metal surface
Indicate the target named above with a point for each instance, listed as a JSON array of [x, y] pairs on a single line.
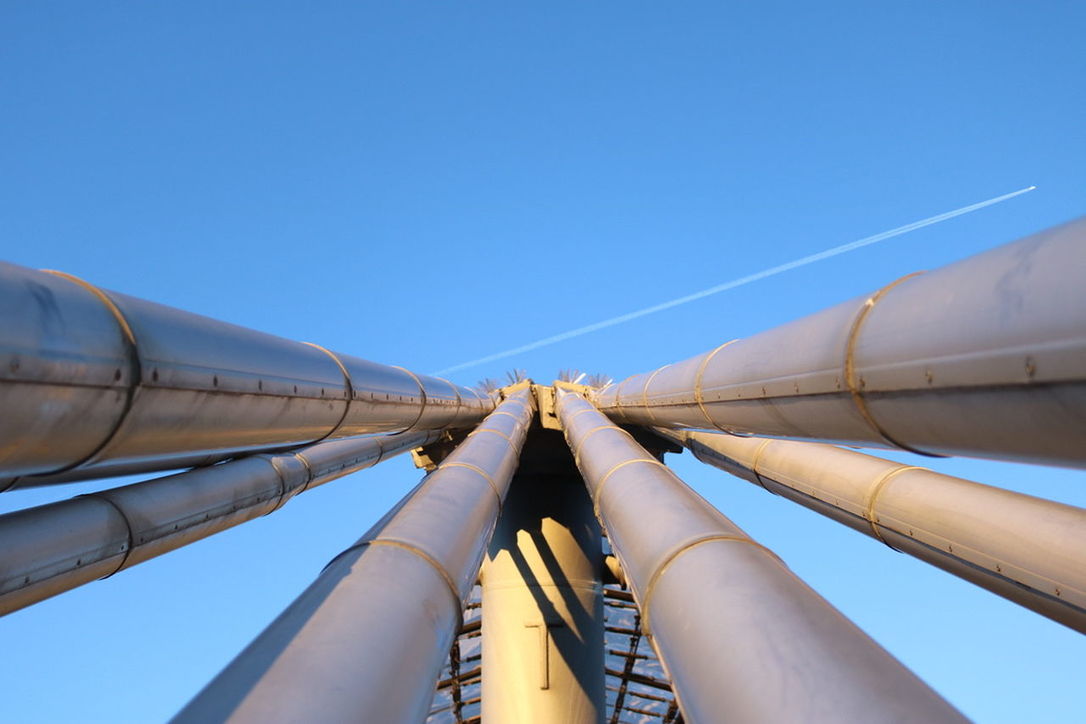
[[985, 357], [398, 591], [90, 377], [742, 638], [1028, 550], [53, 548]]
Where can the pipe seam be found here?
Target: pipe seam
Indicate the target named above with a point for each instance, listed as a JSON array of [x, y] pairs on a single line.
[[699, 395], [476, 469], [584, 438], [131, 351], [645, 391], [675, 554], [614, 469], [348, 388], [487, 429], [507, 414], [422, 396], [855, 386], [876, 489], [128, 526], [452, 588], [280, 471], [459, 399], [754, 464]]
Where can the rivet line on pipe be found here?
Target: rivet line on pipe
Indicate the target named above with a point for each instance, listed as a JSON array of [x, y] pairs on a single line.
[[674, 555], [855, 386]]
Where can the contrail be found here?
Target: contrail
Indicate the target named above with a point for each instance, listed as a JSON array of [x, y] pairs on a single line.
[[772, 271]]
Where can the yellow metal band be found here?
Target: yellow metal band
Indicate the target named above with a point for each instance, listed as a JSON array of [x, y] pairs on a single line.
[[876, 490], [699, 397], [852, 380]]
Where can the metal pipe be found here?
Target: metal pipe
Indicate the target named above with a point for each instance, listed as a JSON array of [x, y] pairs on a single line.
[[741, 636], [366, 641], [56, 547], [89, 376], [1028, 550], [984, 357]]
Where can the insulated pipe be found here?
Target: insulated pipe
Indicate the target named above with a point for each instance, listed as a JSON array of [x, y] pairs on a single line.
[[985, 357], [366, 641], [1028, 550], [742, 638], [56, 547], [89, 376]]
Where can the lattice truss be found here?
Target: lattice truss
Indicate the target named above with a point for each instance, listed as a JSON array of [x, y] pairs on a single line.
[[524, 481]]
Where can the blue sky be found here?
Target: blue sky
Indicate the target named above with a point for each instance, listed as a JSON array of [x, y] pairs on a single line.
[[425, 184]]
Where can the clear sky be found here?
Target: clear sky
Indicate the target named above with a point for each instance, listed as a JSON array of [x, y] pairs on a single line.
[[428, 183]]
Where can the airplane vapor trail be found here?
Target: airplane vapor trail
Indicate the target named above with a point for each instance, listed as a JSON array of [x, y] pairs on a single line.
[[741, 281]]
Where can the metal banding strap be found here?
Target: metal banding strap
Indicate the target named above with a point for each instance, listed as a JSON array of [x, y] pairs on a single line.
[[598, 492], [131, 353], [645, 392], [754, 463], [380, 450], [348, 387], [699, 396], [876, 490], [855, 385], [459, 399], [422, 395], [673, 555], [274, 461], [581, 412], [475, 469], [593, 431], [618, 397], [127, 524], [415, 550], [478, 430]]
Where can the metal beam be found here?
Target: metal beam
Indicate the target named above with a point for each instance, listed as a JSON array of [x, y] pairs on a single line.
[[53, 548], [741, 636], [366, 641], [985, 357], [91, 377], [1026, 549]]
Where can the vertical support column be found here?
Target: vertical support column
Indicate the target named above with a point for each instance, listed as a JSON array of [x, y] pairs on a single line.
[[542, 596]]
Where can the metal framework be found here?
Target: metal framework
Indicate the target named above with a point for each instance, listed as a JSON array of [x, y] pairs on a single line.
[[550, 567]]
